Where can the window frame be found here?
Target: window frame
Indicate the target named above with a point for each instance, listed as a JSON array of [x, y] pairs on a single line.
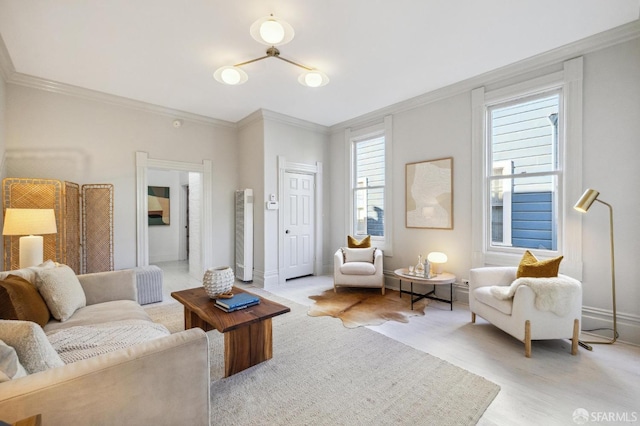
[[352, 137], [569, 234]]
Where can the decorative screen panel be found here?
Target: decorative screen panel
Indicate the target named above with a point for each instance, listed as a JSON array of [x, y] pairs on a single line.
[[97, 228]]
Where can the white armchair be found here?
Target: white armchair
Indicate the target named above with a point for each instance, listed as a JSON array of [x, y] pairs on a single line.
[[358, 267], [518, 316]]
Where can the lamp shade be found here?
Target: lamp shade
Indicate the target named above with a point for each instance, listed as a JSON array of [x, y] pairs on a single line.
[[271, 31], [230, 75], [586, 200], [313, 78], [29, 222], [437, 259]]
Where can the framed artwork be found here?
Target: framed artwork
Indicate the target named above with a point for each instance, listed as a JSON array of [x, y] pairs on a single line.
[[158, 205], [429, 194]]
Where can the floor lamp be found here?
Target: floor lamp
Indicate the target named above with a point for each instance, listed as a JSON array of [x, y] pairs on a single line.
[[32, 223], [583, 204]]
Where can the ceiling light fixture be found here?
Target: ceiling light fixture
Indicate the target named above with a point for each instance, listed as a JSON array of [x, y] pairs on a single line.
[[273, 32]]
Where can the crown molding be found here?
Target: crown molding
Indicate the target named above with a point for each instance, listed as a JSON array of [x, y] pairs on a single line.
[[267, 115], [94, 95], [596, 42]]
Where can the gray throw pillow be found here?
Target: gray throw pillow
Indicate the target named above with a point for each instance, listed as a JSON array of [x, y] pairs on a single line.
[[10, 367], [31, 344], [61, 290]]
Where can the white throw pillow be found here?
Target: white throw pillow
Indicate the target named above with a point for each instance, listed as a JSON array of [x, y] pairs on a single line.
[[31, 344], [61, 290], [358, 254], [29, 273], [10, 367]]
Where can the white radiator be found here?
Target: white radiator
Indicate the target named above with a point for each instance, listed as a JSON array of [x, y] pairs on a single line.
[[244, 234]]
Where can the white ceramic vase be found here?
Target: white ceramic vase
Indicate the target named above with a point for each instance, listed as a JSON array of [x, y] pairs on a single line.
[[217, 281]]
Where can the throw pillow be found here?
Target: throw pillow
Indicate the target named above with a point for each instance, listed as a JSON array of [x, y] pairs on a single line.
[[28, 339], [29, 273], [61, 290], [10, 367], [19, 300], [358, 254], [531, 267], [363, 243]]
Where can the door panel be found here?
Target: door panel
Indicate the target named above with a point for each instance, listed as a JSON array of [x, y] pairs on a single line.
[[299, 225]]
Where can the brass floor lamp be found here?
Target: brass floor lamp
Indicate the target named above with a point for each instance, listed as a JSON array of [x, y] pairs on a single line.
[[583, 205]]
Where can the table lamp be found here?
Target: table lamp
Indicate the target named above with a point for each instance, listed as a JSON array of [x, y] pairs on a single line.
[[437, 259], [32, 223], [583, 205]]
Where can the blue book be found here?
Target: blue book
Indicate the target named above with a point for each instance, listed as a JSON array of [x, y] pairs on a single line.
[[238, 300]]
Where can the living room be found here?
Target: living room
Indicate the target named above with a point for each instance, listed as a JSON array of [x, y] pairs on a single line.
[[50, 128]]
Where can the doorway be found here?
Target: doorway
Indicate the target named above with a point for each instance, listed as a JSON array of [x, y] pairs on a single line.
[[201, 243]]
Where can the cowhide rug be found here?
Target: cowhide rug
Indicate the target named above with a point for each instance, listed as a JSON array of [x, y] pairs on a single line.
[[358, 307]]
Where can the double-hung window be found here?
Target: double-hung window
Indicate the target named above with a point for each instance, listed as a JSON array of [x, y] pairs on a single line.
[[369, 151], [526, 168]]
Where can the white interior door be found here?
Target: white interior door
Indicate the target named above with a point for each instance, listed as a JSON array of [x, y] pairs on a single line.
[[299, 214]]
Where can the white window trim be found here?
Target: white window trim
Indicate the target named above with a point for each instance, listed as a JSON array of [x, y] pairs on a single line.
[[571, 81], [385, 128]]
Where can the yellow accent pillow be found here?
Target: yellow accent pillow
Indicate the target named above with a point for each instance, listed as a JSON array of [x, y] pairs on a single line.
[[363, 243], [530, 266]]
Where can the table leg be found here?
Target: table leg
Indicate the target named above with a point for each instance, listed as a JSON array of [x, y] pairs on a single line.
[[247, 346], [411, 296], [451, 296]]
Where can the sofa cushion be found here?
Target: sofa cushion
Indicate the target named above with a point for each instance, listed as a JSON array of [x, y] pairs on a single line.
[[19, 300], [358, 268], [531, 267], [483, 295], [117, 310], [28, 339], [10, 367], [61, 290], [358, 254], [363, 243]]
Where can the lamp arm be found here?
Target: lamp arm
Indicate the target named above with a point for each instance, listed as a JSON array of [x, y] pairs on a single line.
[[293, 63], [613, 270], [251, 61]]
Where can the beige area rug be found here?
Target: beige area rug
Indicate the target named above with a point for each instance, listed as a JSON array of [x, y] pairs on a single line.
[[358, 307], [322, 373]]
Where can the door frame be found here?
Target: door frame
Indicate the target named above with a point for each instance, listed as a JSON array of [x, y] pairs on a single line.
[[285, 166], [143, 163]]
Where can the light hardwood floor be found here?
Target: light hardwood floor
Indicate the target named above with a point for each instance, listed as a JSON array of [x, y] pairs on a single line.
[[545, 389]]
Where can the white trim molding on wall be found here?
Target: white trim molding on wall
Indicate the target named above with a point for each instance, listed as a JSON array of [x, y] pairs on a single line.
[[143, 164], [285, 166]]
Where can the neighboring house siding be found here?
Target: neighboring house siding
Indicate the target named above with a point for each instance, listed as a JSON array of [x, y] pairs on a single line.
[[524, 137], [370, 174]]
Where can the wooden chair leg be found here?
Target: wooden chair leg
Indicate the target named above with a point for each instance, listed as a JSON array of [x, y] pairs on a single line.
[[576, 337], [383, 290], [527, 339], [473, 317]]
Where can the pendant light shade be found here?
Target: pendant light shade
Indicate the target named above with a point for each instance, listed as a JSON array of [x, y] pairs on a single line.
[[230, 75], [271, 31], [313, 78]]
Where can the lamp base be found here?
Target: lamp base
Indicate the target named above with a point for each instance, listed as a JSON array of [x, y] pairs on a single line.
[[31, 251]]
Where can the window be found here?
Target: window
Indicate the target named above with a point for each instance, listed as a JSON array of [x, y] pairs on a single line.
[[368, 186], [524, 172], [369, 194], [527, 168]]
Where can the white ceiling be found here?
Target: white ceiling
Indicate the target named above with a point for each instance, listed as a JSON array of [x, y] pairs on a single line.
[[376, 52]]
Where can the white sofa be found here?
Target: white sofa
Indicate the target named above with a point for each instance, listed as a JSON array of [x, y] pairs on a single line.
[[161, 381], [358, 267], [518, 316]]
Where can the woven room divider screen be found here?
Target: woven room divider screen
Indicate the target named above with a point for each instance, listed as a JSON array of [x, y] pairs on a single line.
[[95, 228]]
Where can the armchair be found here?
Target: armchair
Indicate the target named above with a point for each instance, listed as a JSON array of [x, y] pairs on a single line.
[[358, 267], [518, 316]]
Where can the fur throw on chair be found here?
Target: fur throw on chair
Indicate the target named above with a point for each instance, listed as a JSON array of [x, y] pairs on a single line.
[[552, 294]]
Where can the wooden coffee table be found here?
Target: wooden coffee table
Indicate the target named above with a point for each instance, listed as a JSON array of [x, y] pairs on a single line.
[[247, 332]]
